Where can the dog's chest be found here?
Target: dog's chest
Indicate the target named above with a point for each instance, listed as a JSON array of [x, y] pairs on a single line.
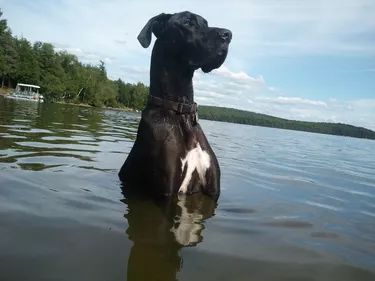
[[195, 160]]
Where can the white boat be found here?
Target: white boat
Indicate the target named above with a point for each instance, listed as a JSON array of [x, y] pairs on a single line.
[[27, 92]]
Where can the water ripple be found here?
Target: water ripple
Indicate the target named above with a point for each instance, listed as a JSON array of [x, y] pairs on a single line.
[[298, 192]]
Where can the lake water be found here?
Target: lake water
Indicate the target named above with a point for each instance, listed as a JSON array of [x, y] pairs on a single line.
[[294, 205]]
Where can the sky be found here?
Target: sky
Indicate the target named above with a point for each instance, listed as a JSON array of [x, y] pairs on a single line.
[[310, 60]]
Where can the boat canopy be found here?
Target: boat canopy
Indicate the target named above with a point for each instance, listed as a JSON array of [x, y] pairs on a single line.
[[28, 85]]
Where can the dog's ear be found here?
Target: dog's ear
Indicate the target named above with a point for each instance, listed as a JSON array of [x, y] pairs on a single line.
[[155, 25]]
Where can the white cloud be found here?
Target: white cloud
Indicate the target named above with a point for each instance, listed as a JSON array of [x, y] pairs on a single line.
[[297, 100], [296, 27], [239, 90]]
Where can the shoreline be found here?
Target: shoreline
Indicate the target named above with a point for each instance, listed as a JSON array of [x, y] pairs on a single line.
[[230, 115], [6, 92], [127, 109]]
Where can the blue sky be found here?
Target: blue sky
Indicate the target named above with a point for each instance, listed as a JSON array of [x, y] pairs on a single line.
[[304, 60]]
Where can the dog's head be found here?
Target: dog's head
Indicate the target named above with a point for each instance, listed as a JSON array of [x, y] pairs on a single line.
[[188, 37]]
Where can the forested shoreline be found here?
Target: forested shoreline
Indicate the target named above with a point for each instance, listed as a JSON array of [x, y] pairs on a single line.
[[257, 119], [63, 78]]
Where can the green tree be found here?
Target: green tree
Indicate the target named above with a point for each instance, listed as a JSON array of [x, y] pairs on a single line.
[[52, 74], [132, 96], [27, 67], [72, 68], [8, 53]]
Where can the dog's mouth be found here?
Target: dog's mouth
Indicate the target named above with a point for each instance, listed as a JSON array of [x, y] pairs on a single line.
[[216, 62]]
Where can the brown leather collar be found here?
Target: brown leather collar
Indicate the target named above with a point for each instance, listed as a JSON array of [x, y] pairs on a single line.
[[179, 107]]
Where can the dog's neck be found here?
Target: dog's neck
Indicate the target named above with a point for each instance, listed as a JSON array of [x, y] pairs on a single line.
[[170, 77]]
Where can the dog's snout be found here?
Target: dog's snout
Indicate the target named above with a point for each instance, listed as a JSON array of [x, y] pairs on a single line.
[[225, 35]]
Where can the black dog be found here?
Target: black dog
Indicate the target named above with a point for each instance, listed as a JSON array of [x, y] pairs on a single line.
[[171, 153]]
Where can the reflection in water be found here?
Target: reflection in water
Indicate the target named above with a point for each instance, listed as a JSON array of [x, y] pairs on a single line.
[[159, 229], [41, 137]]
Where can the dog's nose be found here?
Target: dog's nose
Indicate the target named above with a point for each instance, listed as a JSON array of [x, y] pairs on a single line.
[[225, 34]]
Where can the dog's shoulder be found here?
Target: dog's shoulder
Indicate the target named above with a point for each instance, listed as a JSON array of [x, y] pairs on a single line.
[[160, 123]]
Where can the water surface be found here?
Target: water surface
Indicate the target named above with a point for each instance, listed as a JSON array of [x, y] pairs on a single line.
[[294, 205]]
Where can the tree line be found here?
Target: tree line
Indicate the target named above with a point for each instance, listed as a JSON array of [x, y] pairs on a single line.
[[61, 76], [257, 119]]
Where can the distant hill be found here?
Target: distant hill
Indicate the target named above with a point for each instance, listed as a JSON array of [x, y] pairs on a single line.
[[251, 118]]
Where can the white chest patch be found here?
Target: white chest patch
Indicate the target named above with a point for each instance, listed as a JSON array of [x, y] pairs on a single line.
[[195, 159]]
